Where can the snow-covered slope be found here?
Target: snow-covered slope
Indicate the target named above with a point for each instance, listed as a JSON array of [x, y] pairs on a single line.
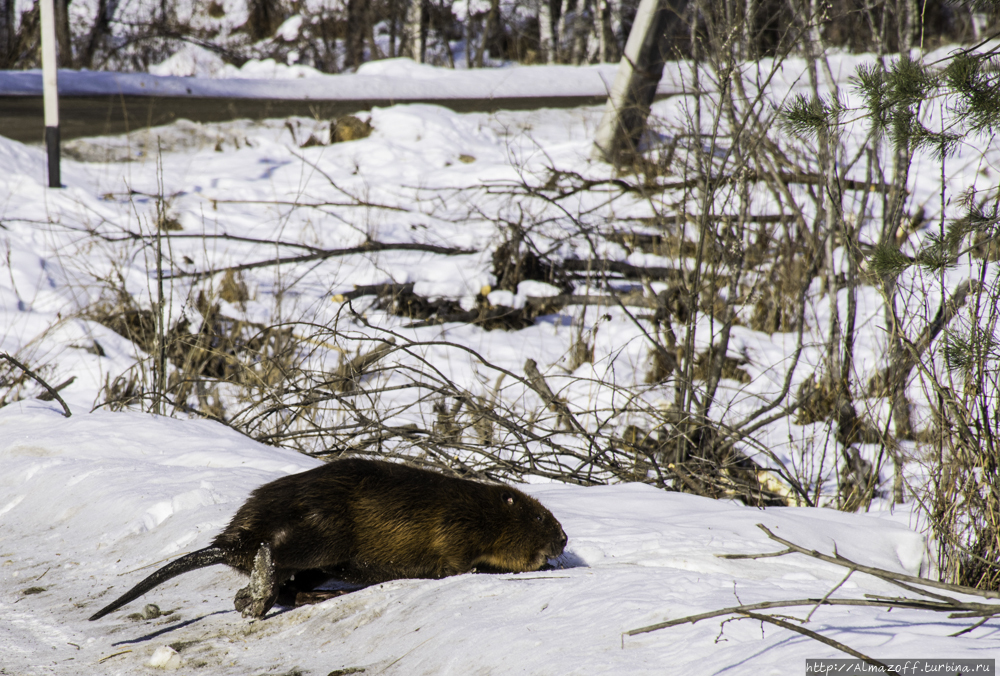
[[89, 504]]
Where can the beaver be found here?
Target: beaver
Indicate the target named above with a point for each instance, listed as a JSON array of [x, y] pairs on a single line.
[[367, 521]]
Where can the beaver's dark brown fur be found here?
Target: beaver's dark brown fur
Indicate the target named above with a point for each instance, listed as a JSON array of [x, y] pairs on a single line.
[[368, 521]]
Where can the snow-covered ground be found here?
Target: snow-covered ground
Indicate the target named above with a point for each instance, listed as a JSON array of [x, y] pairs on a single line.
[[398, 79], [90, 503]]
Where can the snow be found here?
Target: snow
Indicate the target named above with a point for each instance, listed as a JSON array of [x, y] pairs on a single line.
[[398, 79], [91, 503], [194, 61]]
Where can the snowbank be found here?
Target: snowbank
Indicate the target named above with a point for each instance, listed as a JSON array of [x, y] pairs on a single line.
[[389, 80], [89, 504]]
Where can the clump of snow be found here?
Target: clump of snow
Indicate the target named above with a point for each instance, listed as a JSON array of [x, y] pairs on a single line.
[[403, 67], [190, 61], [398, 80], [535, 289], [165, 657], [526, 289], [505, 298], [269, 69], [289, 30], [194, 61]]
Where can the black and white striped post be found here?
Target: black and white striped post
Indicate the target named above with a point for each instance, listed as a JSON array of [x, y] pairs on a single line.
[[50, 89]]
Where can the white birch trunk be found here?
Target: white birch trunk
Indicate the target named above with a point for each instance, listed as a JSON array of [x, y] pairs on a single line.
[[559, 39], [634, 87], [546, 41], [413, 37]]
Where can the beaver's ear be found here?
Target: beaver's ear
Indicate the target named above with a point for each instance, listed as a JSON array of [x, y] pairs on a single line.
[[507, 497]]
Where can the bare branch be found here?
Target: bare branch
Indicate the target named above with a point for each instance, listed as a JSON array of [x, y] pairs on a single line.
[[53, 392]]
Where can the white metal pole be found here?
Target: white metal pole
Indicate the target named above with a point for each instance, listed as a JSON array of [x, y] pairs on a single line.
[[50, 89]]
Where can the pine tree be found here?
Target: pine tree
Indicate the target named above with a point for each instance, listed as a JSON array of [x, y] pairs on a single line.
[[965, 504]]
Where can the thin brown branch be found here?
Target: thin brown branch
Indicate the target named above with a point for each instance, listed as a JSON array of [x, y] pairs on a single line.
[[829, 594], [314, 205], [879, 572], [369, 247], [51, 391], [765, 605], [816, 637]]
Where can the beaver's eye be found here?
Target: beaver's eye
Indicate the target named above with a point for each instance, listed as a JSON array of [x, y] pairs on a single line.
[[508, 498]]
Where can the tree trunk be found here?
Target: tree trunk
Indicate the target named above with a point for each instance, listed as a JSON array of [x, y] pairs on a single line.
[[490, 42], [374, 53], [604, 35], [354, 47], [559, 44], [468, 33], [63, 41], [546, 38], [102, 24], [393, 23], [8, 33], [264, 18], [906, 11], [635, 83], [494, 31], [582, 27], [414, 39]]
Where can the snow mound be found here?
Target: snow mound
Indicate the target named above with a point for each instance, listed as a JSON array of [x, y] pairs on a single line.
[[92, 503], [20, 161], [194, 61], [190, 61], [403, 67]]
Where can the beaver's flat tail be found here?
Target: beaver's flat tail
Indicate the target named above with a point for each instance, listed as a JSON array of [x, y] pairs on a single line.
[[193, 561]]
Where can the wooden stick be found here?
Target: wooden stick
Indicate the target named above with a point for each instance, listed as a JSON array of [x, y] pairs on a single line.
[[52, 392], [878, 572], [368, 247], [817, 637], [765, 605]]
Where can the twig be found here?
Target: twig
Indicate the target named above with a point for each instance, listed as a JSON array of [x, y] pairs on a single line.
[[943, 604], [368, 247], [924, 592], [45, 396], [52, 392], [313, 205], [108, 657], [816, 637], [556, 303], [828, 595], [972, 627], [878, 572], [387, 289], [537, 382], [765, 605], [764, 555]]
